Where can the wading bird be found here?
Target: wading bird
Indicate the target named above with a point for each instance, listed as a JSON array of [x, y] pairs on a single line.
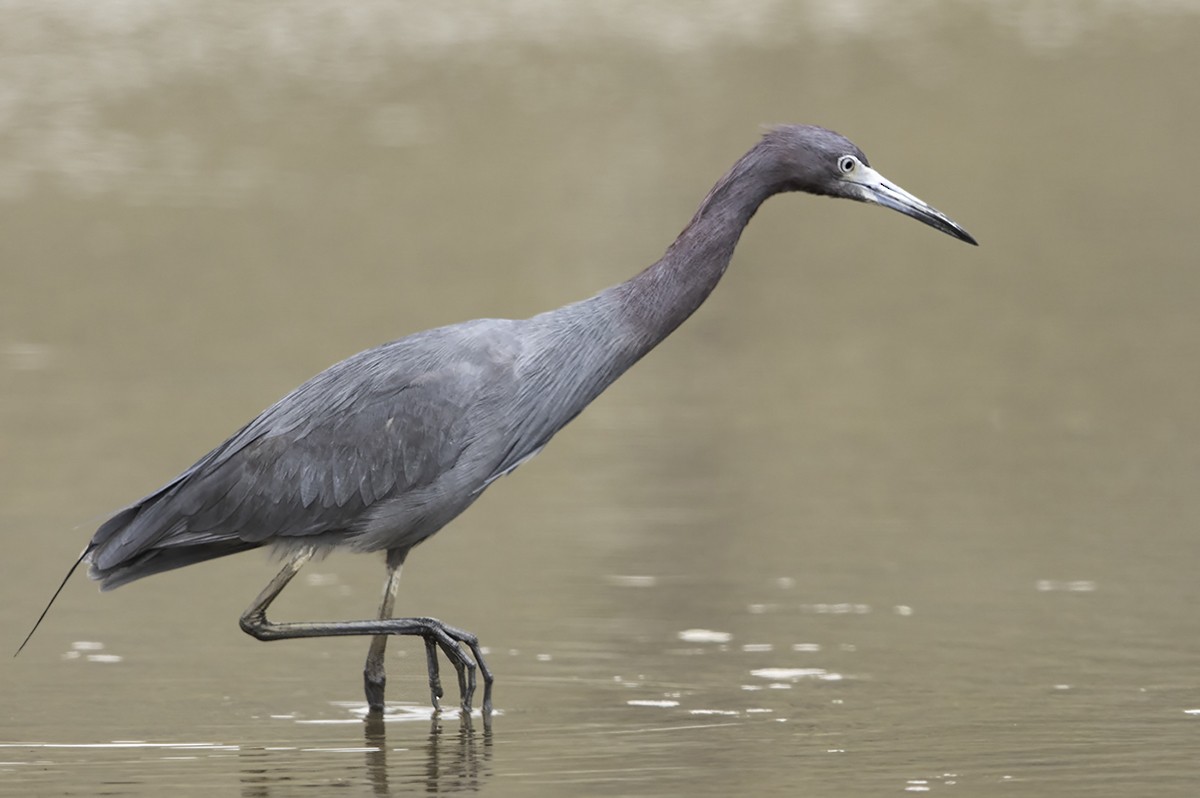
[[382, 450]]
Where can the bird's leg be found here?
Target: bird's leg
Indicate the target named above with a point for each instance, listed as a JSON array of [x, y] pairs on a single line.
[[374, 676], [254, 622], [255, 616]]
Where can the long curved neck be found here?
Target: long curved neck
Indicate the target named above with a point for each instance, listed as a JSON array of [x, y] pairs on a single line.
[[580, 349], [659, 299]]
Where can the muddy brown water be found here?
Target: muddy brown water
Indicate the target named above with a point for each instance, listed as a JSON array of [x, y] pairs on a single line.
[[888, 514]]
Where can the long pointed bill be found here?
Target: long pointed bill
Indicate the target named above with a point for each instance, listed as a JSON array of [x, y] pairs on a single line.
[[878, 189]]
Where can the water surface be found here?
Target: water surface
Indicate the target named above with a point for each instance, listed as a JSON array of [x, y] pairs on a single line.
[[889, 514]]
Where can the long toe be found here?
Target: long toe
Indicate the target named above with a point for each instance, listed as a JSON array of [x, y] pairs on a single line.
[[468, 690], [487, 697], [435, 681]]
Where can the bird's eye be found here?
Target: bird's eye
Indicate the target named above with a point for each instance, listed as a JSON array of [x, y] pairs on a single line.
[[846, 163]]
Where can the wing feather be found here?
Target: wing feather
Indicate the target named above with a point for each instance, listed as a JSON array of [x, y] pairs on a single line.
[[369, 429]]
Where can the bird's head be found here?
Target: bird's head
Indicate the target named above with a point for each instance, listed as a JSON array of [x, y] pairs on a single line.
[[819, 161]]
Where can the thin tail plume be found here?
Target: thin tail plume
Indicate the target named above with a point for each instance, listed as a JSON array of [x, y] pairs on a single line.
[[41, 617]]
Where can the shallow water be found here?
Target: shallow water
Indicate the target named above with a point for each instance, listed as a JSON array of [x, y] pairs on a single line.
[[889, 514]]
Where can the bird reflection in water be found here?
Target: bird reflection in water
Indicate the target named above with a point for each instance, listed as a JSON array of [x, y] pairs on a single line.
[[459, 761], [444, 762]]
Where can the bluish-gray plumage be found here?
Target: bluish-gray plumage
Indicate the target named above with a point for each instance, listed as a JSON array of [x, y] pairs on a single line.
[[383, 449]]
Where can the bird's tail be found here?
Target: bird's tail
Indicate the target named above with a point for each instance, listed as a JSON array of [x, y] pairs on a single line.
[[168, 554], [167, 558], [149, 537]]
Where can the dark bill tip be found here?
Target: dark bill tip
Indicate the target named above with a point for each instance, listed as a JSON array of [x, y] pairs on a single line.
[[877, 189], [927, 214]]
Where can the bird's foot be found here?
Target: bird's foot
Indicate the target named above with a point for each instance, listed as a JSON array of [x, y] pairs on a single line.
[[451, 641]]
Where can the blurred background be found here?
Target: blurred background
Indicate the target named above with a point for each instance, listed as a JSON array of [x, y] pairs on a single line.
[[890, 513]]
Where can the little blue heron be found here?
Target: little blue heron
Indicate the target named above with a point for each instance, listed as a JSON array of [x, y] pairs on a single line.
[[382, 450]]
